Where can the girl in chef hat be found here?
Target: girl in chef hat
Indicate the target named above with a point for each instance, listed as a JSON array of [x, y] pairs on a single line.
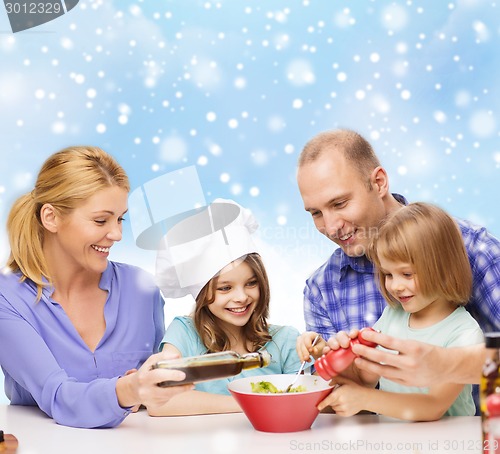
[[212, 257]]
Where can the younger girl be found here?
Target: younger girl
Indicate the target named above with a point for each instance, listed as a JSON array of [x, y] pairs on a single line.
[[225, 275], [425, 276]]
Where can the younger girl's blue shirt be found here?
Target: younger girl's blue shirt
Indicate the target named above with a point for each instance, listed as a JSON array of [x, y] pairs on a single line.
[[46, 362], [457, 330], [182, 334]]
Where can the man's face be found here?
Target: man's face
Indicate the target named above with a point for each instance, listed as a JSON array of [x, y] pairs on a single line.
[[343, 208]]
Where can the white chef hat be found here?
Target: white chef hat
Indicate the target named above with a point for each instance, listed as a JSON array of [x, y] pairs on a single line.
[[151, 217], [198, 247]]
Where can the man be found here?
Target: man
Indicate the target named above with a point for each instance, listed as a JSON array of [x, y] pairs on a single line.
[[346, 190]]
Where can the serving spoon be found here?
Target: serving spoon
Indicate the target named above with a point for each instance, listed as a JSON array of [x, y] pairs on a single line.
[[301, 368]]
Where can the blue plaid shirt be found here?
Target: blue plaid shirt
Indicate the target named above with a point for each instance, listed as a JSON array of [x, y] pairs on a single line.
[[342, 294]]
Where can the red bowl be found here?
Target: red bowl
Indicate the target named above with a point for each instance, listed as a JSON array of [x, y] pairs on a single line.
[[290, 412]]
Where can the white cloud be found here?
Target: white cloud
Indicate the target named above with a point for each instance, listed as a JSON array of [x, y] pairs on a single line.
[[173, 149], [380, 103], [206, 74], [260, 157], [482, 124], [394, 17], [299, 72]]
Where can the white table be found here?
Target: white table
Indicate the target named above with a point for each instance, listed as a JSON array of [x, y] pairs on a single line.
[[233, 434]]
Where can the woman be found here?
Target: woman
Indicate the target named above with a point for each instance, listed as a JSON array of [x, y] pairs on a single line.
[[77, 325]]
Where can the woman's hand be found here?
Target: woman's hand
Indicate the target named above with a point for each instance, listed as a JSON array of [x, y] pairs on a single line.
[[304, 346], [135, 408], [141, 387]]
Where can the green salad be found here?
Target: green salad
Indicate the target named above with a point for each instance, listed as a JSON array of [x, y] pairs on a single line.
[[266, 387]]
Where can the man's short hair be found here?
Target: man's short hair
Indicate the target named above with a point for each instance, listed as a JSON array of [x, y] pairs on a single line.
[[355, 148]]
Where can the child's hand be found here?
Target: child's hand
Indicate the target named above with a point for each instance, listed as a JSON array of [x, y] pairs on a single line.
[[346, 398], [304, 346], [341, 340]]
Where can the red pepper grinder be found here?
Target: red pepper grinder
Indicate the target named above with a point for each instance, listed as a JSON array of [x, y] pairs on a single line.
[[492, 443], [335, 361]]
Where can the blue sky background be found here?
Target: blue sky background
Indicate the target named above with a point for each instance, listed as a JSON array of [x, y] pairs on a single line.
[[236, 88]]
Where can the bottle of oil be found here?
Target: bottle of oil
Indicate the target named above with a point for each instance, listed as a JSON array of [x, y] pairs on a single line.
[[213, 366], [490, 385]]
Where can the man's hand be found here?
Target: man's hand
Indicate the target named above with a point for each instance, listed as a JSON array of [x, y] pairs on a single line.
[[411, 363], [414, 363]]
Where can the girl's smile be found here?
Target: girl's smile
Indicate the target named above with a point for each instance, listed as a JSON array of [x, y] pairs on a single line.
[[236, 295], [404, 299], [239, 310]]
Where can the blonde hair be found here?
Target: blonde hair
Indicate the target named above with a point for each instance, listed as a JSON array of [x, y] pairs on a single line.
[[66, 179], [354, 147], [256, 331], [427, 238]]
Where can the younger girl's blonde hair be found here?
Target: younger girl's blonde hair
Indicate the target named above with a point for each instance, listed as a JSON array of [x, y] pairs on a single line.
[[66, 180], [256, 331], [427, 238]]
